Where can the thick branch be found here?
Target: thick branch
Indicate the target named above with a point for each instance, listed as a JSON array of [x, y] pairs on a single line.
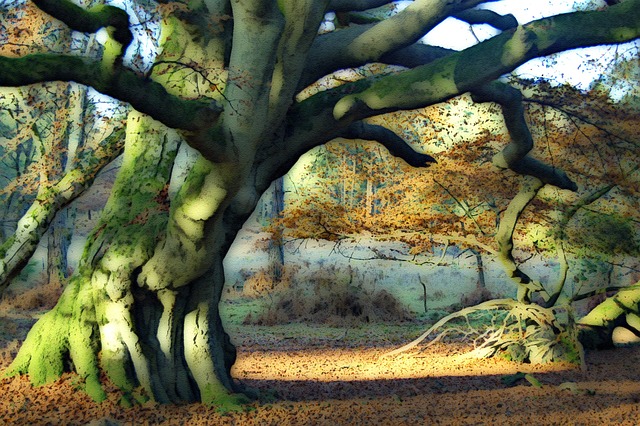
[[404, 28], [483, 16], [397, 146], [415, 55], [515, 155], [484, 62], [146, 96], [300, 29], [369, 43], [311, 123]]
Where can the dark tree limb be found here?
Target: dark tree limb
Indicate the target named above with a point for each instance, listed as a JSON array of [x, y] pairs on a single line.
[[144, 95], [110, 77], [483, 16], [415, 55], [91, 20], [515, 155], [397, 146]]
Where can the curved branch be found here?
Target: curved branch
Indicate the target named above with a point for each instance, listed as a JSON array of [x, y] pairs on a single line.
[[144, 95], [404, 28], [325, 115], [91, 20], [515, 155], [504, 237], [484, 16], [369, 43], [397, 146], [486, 61]]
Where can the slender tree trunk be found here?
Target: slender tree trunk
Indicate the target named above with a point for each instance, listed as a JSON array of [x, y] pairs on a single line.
[[276, 248], [368, 205], [58, 240], [481, 285]]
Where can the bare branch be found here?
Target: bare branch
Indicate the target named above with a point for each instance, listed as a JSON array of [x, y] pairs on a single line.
[[397, 146]]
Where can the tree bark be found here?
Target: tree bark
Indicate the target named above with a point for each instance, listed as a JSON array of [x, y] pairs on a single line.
[[276, 243], [143, 305], [504, 237], [153, 335]]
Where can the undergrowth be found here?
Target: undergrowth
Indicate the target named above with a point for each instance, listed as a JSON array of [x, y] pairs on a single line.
[[330, 299]]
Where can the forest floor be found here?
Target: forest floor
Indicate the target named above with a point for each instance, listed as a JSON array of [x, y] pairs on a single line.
[[335, 376]]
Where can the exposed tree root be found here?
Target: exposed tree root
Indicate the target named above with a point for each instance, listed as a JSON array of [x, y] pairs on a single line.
[[526, 333]]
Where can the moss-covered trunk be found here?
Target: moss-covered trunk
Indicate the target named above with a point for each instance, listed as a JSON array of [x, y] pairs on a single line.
[[620, 310], [143, 305]]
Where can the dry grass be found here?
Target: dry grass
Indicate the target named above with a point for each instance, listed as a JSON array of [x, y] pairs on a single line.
[[331, 301], [335, 382], [261, 283]]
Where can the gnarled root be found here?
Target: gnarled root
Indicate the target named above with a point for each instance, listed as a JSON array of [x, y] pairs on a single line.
[[522, 332]]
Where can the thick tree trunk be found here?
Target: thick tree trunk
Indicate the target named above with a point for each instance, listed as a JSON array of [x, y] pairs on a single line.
[[620, 310], [150, 323]]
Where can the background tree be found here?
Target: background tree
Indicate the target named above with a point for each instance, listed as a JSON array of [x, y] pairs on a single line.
[[226, 79]]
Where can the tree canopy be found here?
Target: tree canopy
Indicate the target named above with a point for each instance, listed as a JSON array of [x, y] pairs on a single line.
[[237, 81]]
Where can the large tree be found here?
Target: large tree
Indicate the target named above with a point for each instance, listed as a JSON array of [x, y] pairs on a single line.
[[228, 78]]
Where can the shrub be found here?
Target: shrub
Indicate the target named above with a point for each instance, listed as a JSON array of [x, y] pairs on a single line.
[[330, 301], [261, 283]]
